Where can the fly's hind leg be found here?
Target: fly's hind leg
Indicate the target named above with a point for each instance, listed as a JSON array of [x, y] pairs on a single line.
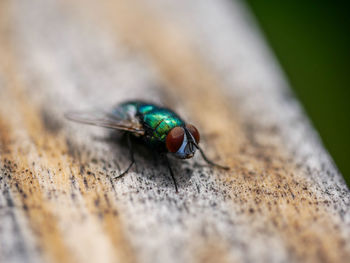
[[132, 160]]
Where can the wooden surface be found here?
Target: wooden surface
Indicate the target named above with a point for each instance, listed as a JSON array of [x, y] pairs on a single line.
[[282, 201]]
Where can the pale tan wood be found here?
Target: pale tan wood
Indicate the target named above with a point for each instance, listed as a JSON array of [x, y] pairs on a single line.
[[282, 201]]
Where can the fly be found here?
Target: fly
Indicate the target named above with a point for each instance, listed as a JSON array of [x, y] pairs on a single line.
[[160, 128]]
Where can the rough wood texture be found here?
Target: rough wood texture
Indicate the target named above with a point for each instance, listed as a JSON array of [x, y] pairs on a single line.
[[282, 201]]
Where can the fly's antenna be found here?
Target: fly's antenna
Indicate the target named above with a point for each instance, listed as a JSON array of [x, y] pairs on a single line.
[[209, 161]]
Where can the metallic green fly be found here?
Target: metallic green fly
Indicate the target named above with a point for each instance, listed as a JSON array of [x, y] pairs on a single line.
[[161, 129]]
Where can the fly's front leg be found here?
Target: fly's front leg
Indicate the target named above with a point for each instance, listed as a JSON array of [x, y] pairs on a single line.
[[171, 173], [209, 161], [132, 160]]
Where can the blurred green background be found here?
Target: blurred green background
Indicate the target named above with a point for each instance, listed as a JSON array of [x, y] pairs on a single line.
[[311, 39]]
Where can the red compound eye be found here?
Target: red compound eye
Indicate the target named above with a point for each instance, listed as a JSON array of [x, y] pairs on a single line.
[[193, 130], [174, 139]]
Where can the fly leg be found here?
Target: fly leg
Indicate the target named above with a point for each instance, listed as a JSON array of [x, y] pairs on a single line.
[[171, 172], [132, 160], [209, 161]]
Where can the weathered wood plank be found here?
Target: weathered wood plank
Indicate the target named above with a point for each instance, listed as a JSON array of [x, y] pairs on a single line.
[[283, 199]]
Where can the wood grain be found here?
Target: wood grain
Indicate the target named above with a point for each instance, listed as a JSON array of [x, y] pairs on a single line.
[[282, 201]]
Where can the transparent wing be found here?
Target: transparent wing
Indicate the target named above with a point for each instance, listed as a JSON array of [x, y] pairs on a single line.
[[107, 120]]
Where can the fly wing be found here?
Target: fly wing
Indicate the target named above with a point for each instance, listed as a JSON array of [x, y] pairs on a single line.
[[107, 120]]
